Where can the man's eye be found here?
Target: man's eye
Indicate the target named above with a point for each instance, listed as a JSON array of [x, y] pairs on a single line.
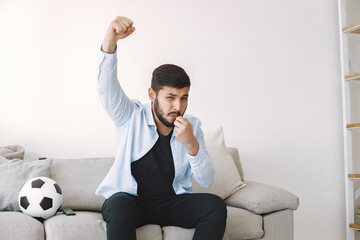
[[170, 97]]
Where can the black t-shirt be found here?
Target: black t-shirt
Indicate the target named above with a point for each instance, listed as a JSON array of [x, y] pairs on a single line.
[[155, 171]]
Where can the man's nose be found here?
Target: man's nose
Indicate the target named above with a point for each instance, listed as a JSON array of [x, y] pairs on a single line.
[[176, 105]]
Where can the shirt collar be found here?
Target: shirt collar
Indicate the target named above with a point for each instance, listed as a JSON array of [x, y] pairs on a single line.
[[149, 114]]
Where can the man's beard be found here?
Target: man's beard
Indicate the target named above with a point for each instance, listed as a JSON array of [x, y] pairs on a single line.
[[159, 113]]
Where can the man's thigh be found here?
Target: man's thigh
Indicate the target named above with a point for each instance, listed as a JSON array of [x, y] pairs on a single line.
[[186, 210]]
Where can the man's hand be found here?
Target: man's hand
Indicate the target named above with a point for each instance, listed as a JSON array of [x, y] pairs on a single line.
[[183, 132], [119, 28]]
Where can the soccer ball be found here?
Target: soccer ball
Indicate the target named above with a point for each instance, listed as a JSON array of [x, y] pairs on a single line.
[[40, 197]]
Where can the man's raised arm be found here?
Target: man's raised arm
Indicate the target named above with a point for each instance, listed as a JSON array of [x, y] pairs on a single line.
[[115, 102]]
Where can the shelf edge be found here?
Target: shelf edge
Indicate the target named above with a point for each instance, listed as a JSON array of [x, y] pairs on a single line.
[[354, 176], [353, 28], [354, 225], [352, 125], [355, 76]]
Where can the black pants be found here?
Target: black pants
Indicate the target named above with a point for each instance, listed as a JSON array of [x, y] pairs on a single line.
[[124, 213]]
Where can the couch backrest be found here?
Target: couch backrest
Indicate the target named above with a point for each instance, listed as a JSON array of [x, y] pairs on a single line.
[[79, 178]]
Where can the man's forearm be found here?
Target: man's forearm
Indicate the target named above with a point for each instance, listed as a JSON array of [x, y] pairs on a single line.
[[108, 47], [193, 148]]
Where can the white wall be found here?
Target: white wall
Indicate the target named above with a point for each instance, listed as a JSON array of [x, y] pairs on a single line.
[[267, 71]]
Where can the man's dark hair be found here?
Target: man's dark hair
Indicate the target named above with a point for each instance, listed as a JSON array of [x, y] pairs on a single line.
[[169, 75]]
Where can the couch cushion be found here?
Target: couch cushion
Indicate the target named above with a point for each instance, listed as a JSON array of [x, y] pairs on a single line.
[[89, 226], [78, 179], [279, 225], [234, 152], [177, 233], [16, 225], [263, 198], [227, 178], [12, 151], [240, 224], [14, 174]]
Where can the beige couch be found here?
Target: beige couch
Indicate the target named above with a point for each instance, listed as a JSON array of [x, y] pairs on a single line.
[[257, 211]]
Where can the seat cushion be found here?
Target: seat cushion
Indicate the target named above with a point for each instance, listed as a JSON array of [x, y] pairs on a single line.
[[243, 224], [240, 224], [19, 226], [89, 226]]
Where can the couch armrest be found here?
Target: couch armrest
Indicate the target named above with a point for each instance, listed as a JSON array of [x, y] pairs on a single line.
[[261, 198]]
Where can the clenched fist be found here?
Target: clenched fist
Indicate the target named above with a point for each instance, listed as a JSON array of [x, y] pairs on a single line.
[[119, 28], [183, 132]]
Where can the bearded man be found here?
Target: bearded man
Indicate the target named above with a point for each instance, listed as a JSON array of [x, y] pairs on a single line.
[[159, 149]]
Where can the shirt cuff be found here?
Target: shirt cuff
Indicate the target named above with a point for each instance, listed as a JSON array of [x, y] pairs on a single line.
[[194, 159], [107, 58]]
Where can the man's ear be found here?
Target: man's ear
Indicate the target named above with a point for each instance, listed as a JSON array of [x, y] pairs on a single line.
[[152, 94]]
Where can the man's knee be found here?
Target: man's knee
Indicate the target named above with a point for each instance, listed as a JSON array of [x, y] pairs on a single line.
[[119, 205], [216, 206], [121, 214]]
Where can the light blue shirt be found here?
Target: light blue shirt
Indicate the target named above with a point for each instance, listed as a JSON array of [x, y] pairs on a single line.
[[136, 134]]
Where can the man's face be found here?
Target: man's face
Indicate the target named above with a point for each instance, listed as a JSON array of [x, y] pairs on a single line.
[[169, 102]]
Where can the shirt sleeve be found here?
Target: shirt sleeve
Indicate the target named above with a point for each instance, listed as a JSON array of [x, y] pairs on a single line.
[[115, 102], [201, 165]]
